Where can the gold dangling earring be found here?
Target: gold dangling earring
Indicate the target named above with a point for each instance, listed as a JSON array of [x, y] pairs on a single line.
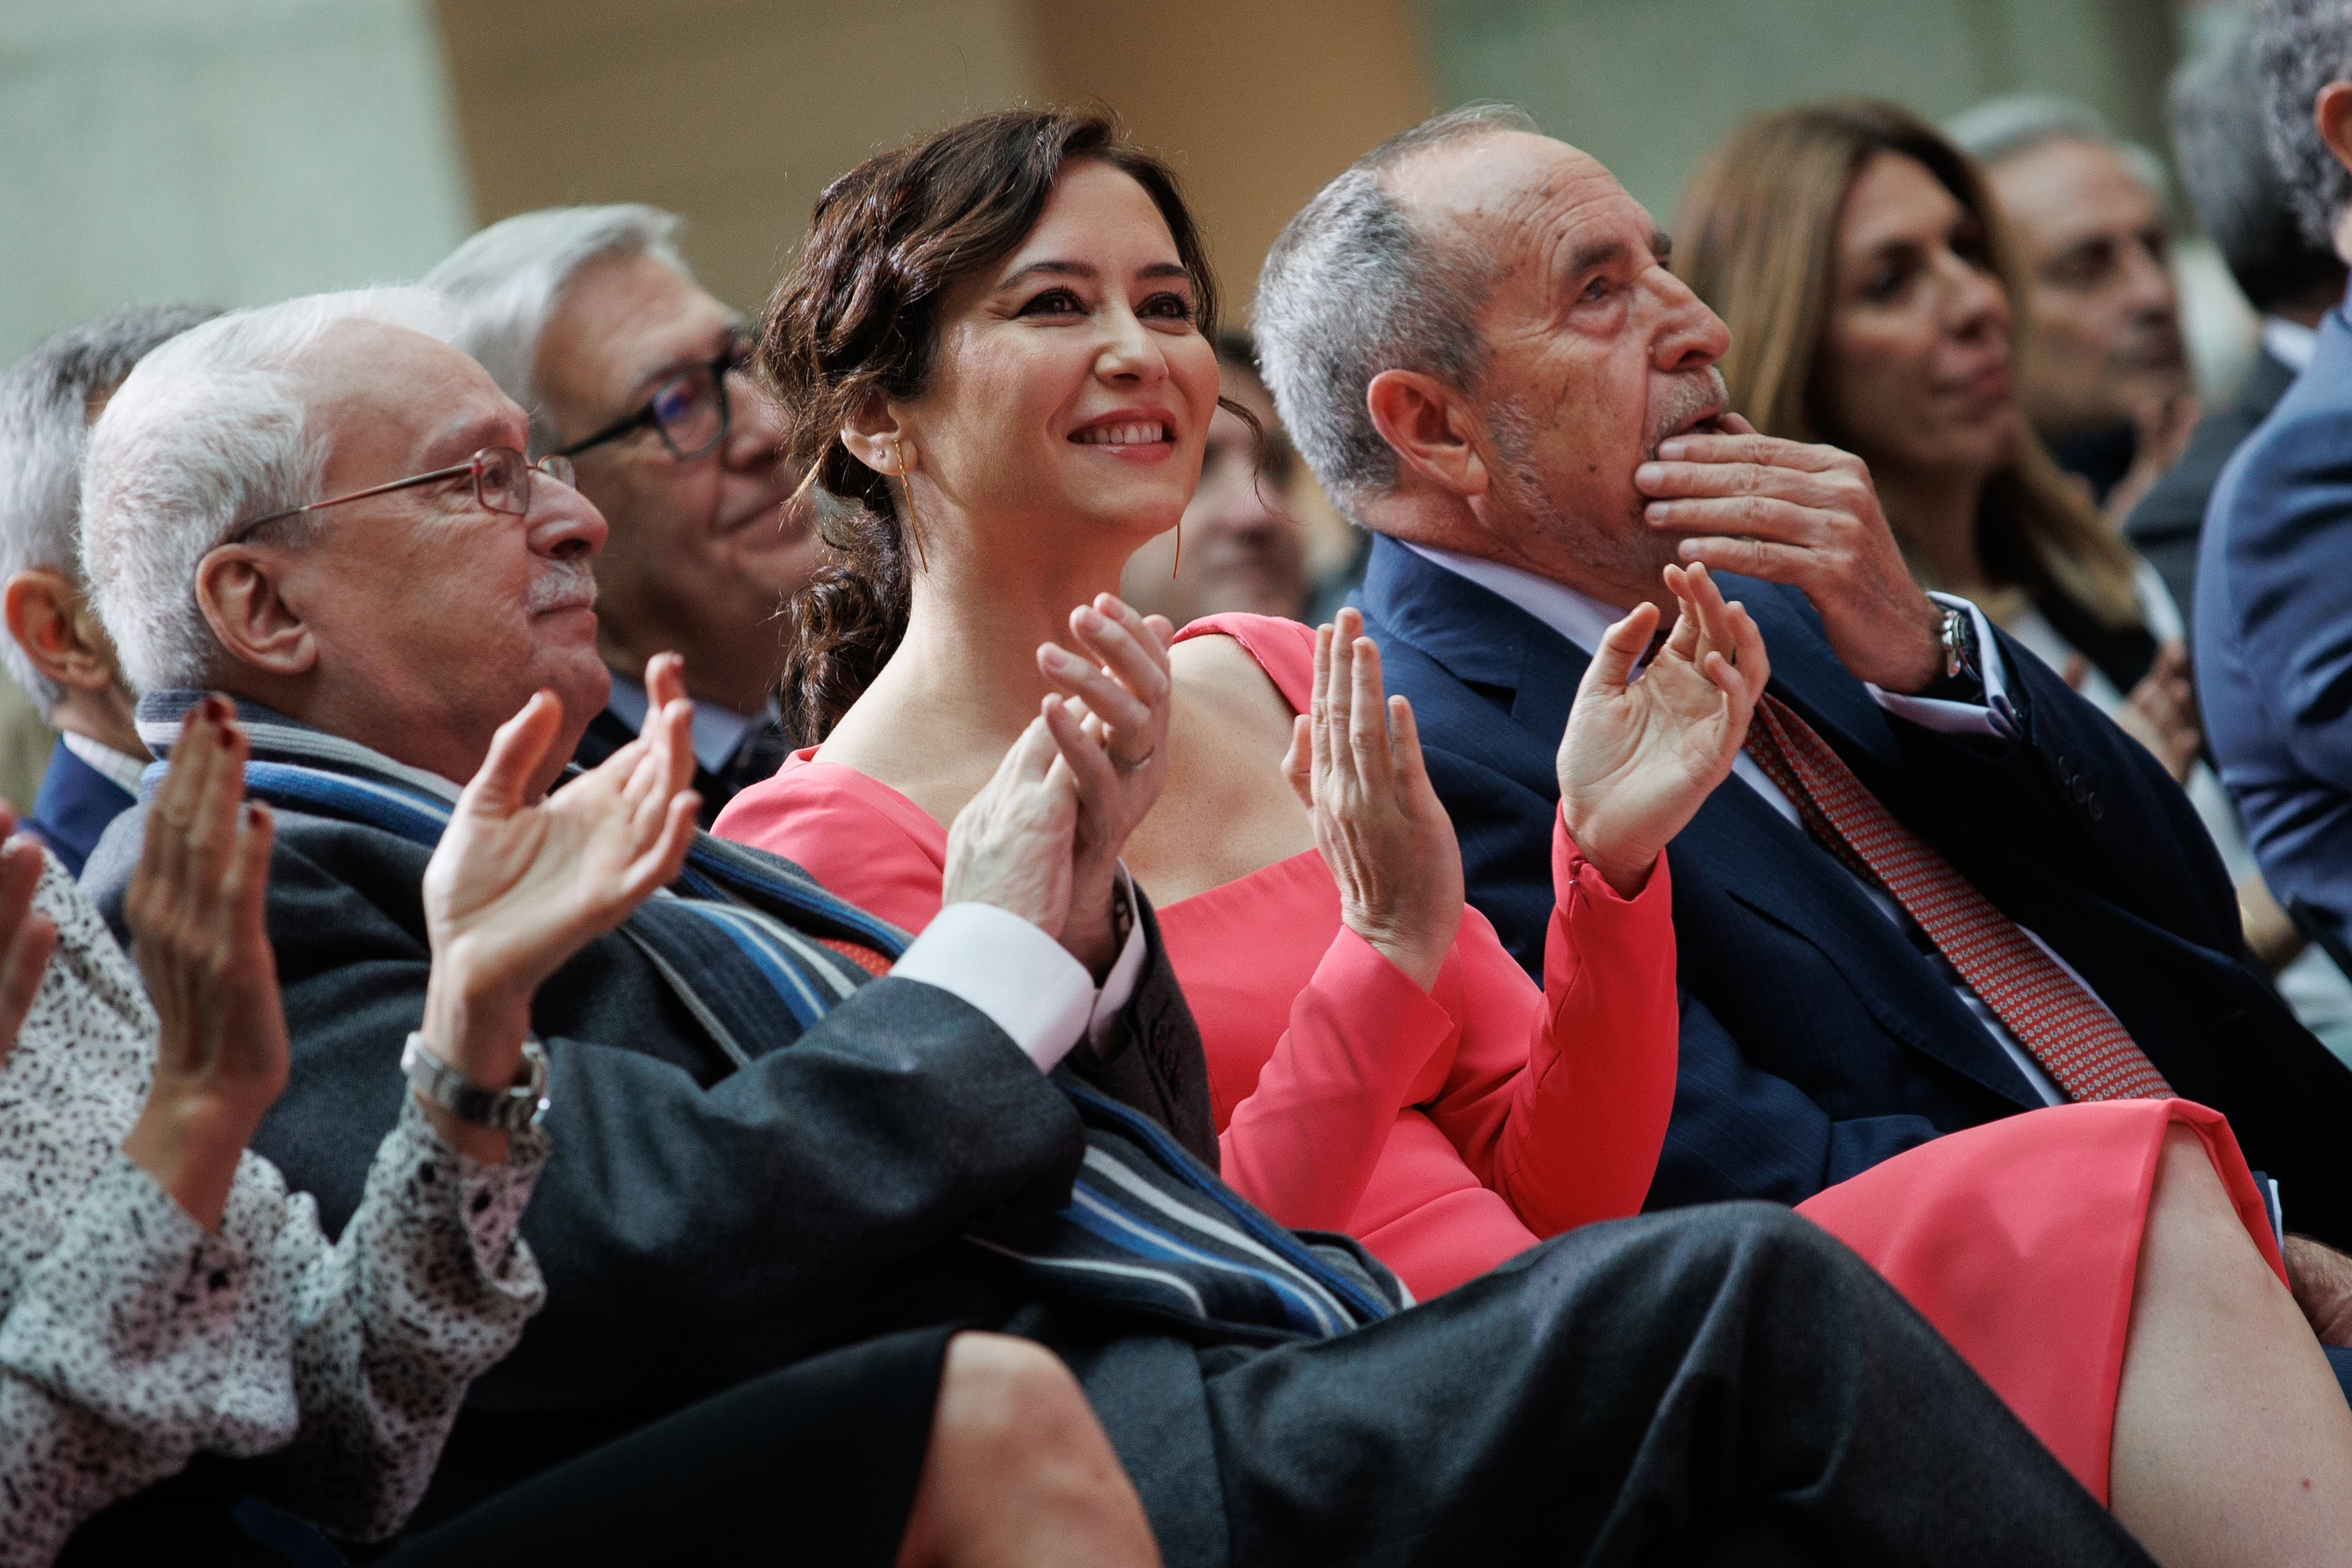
[[907, 485], [1177, 564]]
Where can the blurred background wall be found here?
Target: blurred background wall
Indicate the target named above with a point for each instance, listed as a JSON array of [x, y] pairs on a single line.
[[241, 151], [230, 151]]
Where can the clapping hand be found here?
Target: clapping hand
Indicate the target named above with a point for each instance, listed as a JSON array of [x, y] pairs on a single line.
[[1012, 844], [1355, 763], [1641, 755], [2161, 712], [1112, 733], [517, 886], [195, 909], [26, 939]]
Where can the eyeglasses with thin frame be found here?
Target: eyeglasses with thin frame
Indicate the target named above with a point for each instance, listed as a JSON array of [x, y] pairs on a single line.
[[501, 478], [689, 412]]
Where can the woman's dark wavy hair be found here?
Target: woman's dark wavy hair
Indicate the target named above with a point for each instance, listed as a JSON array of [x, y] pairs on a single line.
[[858, 317]]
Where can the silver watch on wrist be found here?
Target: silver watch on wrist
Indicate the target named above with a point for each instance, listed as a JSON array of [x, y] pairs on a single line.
[[1962, 658], [500, 1109]]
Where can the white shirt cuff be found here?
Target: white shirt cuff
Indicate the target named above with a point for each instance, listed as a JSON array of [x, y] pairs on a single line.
[[1994, 719], [1024, 980]]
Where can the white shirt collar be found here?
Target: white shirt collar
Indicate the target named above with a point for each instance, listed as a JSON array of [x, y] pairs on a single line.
[[1580, 617], [718, 732], [121, 767], [2289, 343]]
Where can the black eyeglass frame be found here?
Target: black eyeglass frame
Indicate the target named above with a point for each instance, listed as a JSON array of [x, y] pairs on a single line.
[[554, 465], [735, 358]]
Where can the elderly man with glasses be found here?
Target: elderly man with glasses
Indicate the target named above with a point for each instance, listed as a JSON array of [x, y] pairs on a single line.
[[588, 318]]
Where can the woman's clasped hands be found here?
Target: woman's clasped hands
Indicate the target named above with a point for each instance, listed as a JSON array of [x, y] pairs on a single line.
[[1043, 837]]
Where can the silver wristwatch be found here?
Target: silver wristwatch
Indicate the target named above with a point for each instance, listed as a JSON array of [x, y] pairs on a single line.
[[500, 1109]]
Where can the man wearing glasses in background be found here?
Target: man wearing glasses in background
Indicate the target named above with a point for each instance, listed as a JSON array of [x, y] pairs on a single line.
[[588, 318]]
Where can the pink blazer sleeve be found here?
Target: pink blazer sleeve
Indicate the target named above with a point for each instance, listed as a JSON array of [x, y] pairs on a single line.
[[1303, 1144], [1559, 1099]]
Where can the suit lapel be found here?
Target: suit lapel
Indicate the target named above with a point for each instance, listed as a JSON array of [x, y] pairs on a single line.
[[1487, 644]]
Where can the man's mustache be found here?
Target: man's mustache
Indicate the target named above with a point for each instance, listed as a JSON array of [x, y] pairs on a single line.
[[1694, 398], [564, 586]]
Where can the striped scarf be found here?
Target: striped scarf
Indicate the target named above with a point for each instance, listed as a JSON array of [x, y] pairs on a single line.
[[1148, 1229]]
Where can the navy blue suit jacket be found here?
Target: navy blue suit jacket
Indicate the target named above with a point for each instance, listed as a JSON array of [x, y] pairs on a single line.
[[2274, 631], [74, 806], [1816, 1040]]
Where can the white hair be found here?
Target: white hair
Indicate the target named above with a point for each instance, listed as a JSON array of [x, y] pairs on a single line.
[[208, 431], [44, 426], [1353, 287], [507, 281], [2002, 127]]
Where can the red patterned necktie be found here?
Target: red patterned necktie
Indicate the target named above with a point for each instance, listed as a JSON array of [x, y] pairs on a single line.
[[859, 953], [2078, 1042]]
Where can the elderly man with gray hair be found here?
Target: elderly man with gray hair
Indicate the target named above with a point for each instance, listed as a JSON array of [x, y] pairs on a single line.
[[590, 318], [56, 647], [2105, 377], [1474, 340]]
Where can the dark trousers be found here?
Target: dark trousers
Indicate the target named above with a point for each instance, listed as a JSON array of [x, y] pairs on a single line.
[[1721, 1384], [816, 1463]]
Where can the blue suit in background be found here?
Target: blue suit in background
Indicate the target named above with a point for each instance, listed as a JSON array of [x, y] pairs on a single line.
[[1816, 1040], [75, 804], [2274, 631]]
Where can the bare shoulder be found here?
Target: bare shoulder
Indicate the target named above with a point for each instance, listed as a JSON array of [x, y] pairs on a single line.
[[1217, 676]]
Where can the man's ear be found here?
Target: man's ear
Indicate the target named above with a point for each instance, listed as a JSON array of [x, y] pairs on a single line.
[[875, 436], [2331, 111], [244, 603], [1425, 422], [51, 619]]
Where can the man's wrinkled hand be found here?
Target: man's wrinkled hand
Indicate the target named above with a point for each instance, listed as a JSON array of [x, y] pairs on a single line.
[[1807, 516], [1013, 844]]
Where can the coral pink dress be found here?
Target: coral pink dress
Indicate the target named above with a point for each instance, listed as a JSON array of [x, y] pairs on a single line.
[[1451, 1130], [1447, 1130]]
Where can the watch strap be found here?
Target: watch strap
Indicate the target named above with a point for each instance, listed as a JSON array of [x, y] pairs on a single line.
[[511, 1109], [1963, 677]]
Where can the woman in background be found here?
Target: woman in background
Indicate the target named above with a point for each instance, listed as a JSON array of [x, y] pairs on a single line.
[[1236, 548]]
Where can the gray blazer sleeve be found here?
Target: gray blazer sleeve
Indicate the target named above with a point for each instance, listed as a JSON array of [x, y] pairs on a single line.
[[742, 1208]]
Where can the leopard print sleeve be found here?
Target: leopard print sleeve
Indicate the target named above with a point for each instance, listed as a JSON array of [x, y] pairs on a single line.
[[132, 1338], [429, 1288]]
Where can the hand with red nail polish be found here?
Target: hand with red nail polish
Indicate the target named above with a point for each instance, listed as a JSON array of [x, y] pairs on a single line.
[[195, 913]]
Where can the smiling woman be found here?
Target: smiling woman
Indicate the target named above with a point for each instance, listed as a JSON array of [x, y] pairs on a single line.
[[919, 236], [997, 342]]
